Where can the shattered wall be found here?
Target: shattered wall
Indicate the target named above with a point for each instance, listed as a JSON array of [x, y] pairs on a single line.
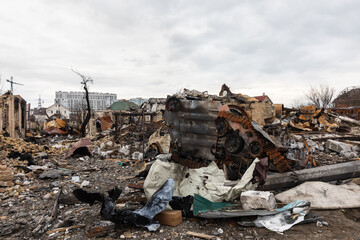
[[260, 112], [13, 115], [349, 97]]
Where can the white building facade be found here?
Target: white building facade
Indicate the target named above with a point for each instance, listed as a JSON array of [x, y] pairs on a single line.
[[58, 109], [76, 100]]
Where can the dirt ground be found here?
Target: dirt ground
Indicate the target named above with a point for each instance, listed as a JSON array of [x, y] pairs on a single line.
[[28, 215]]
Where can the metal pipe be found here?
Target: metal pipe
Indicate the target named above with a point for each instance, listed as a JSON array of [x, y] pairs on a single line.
[[340, 171]]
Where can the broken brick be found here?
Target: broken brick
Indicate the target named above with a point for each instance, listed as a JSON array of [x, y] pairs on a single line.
[[169, 217]]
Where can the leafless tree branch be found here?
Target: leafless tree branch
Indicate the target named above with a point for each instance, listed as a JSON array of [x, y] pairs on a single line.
[[322, 97], [85, 81]]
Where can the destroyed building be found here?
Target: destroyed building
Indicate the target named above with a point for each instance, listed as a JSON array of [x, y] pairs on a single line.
[[13, 115], [138, 100], [155, 105], [349, 97], [347, 103], [203, 145], [234, 129]]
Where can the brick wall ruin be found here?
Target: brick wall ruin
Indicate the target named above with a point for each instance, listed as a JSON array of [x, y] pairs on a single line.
[[12, 115]]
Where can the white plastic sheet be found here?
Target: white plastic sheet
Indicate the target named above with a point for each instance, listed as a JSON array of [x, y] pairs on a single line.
[[324, 195], [207, 181], [289, 215]]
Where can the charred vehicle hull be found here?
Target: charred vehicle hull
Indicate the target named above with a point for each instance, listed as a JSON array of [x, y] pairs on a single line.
[[216, 129]]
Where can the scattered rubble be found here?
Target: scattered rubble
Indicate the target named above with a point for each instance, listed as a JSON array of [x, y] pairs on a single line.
[[209, 163]]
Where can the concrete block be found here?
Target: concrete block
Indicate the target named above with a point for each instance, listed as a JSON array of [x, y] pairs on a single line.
[[337, 146], [348, 154], [169, 217], [137, 156], [42, 155], [356, 148], [300, 145], [257, 200]]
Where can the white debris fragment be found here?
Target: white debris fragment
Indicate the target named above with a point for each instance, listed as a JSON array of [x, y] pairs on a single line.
[[125, 150], [75, 179], [257, 200], [85, 183]]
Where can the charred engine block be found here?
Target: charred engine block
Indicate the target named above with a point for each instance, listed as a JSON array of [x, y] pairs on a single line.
[[204, 130]]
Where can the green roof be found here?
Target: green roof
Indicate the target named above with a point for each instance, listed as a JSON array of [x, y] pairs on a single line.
[[123, 106]]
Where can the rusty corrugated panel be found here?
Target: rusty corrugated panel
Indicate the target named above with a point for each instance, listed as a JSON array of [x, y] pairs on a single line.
[[204, 129], [106, 123], [83, 143], [193, 126]]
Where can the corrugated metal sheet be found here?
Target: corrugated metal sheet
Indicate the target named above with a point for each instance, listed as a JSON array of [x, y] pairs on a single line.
[[193, 126]]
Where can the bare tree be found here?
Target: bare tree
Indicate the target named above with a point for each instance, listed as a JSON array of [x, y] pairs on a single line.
[[77, 114], [299, 102], [85, 80], [322, 97]]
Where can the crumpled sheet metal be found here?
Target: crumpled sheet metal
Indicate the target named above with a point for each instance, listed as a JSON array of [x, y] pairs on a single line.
[[54, 131], [326, 123], [307, 113], [310, 115], [207, 209], [106, 123], [259, 129], [81, 143], [300, 126], [58, 123], [55, 127], [206, 181]]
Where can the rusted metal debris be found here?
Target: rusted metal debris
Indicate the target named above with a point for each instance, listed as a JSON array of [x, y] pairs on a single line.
[[80, 148], [233, 129], [207, 128], [104, 123], [59, 127], [311, 118], [56, 127]]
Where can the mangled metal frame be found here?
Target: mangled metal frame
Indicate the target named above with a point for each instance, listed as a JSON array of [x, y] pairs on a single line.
[[205, 129]]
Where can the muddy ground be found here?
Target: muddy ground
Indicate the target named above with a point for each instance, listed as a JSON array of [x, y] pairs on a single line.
[[28, 211]]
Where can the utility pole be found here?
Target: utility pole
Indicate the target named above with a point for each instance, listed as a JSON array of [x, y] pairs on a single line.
[[12, 83]]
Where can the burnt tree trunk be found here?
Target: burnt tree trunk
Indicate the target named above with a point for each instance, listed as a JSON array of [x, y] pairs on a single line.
[[88, 114], [85, 80]]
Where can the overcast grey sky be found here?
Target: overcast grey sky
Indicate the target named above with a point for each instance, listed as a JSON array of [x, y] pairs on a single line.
[[155, 48]]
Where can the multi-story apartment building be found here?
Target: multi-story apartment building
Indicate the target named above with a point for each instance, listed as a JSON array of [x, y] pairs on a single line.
[[76, 100]]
